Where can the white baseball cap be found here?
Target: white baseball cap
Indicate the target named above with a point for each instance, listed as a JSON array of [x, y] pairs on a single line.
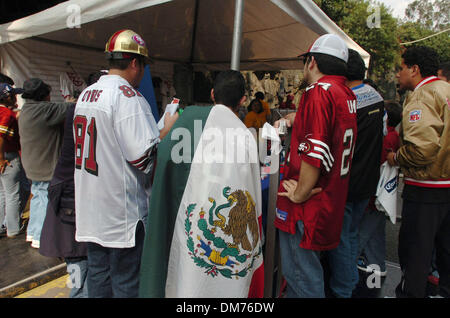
[[330, 44]]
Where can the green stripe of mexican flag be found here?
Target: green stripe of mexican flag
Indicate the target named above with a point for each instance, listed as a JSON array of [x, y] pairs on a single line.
[[203, 236]]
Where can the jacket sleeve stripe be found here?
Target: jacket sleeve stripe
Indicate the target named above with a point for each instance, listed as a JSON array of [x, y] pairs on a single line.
[[141, 159], [143, 164], [318, 156], [323, 145], [6, 131], [320, 149]]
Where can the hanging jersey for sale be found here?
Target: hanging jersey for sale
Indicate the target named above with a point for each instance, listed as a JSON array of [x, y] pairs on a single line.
[[71, 84], [115, 138], [323, 135]]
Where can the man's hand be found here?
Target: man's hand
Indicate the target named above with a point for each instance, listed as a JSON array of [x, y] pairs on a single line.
[[391, 158], [289, 118], [70, 99], [3, 164], [290, 186], [169, 121]]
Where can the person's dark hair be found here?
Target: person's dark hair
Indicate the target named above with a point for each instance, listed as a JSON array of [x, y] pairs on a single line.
[[8, 100], [94, 77], [229, 88], [254, 105], [368, 81], [356, 68], [328, 65], [394, 112], [259, 95], [36, 89], [6, 79], [42, 93], [445, 67], [424, 57], [122, 64]]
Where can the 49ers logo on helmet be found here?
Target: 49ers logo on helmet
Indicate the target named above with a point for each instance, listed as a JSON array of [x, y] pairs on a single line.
[[138, 40]]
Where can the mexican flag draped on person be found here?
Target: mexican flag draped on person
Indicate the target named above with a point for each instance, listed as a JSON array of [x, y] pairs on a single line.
[[203, 236]]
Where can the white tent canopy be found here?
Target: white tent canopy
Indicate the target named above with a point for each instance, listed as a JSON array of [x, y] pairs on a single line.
[[198, 32]]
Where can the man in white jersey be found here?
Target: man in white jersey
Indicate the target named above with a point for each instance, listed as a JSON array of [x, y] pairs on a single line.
[[115, 143]]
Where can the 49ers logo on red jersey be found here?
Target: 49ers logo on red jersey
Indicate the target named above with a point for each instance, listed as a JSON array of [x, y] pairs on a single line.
[[304, 147]]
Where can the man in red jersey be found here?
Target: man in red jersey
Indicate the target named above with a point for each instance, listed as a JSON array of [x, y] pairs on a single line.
[[312, 196], [10, 163]]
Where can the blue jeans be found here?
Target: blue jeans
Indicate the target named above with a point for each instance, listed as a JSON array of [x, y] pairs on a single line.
[[372, 238], [343, 259], [77, 267], [301, 267], [114, 272], [10, 196], [38, 208]]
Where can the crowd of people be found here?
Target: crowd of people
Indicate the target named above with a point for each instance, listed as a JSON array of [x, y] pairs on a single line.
[[142, 212]]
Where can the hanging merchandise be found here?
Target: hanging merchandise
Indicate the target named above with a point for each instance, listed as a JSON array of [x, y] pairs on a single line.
[[71, 83], [168, 92]]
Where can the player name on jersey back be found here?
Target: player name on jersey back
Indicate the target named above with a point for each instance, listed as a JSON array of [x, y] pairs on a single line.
[[91, 96]]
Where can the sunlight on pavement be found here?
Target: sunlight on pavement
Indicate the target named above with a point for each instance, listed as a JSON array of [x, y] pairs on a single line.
[[55, 289]]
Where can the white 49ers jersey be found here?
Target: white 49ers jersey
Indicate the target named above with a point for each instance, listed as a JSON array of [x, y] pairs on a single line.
[[115, 138]]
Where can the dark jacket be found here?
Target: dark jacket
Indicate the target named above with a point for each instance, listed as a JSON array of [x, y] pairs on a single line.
[[365, 171], [58, 232]]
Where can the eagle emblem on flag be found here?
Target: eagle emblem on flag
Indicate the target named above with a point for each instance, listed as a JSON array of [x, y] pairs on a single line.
[[227, 237]]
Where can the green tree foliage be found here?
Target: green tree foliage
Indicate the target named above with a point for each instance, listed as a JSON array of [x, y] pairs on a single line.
[[335, 9], [426, 18], [353, 17], [432, 15], [412, 31]]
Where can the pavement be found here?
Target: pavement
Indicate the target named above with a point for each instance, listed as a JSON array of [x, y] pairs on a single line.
[[23, 268], [27, 274], [56, 288]]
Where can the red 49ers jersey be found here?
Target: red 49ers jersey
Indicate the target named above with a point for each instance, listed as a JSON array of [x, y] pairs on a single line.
[[9, 130], [323, 135]]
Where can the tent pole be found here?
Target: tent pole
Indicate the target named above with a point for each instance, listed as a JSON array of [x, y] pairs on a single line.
[[237, 35], [194, 32], [271, 263]]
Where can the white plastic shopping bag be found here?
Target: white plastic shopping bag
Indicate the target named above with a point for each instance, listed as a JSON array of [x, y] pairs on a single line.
[[386, 196]]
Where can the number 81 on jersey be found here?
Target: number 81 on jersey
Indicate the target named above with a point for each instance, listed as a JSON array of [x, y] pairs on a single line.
[[80, 125]]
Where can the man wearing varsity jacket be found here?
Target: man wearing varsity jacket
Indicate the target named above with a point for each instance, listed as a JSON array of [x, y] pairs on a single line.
[[424, 160]]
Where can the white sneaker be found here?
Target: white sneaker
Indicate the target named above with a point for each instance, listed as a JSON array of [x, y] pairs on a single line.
[[376, 272], [2, 230], [370, 269], [29, 238], [35, 244]]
